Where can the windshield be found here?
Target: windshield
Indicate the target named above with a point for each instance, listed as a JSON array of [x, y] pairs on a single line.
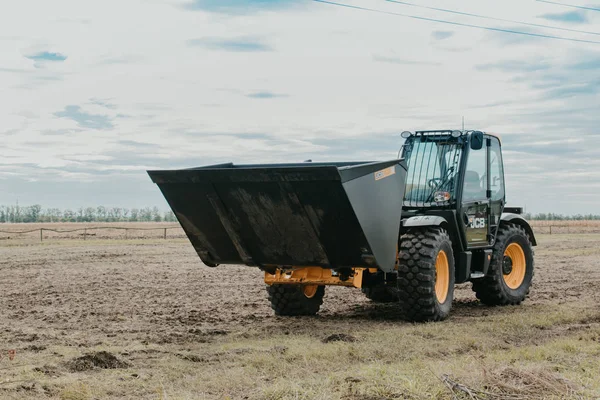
[[433, 163]]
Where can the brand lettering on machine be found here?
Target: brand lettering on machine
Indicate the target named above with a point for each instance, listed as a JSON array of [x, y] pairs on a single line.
[[476, 222], [384, 173]]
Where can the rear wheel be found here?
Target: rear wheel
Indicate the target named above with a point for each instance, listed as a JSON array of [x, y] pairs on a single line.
[[293, 300], [381, 294], [511, 269], [426, 274]]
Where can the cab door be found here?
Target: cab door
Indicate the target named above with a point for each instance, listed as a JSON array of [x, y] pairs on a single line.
[[475, 202], [483, 197], [496, 185]]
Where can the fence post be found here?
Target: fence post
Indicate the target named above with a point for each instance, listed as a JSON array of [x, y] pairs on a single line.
[[126, 233], [165, 235], [41, 234], [551, 229], [84, 233]]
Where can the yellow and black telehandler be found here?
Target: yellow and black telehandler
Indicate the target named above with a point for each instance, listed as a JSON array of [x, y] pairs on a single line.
[[405, 230]]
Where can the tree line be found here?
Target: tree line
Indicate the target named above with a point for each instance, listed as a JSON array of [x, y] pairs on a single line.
[[560, 217], [35, 213]]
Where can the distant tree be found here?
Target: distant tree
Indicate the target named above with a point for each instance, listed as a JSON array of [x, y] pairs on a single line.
[[17, 217], [110, 215], [69, 216], [145, 214], [169, 217], [117, 213], [80, 214], [101, 213], [55, 215], [156, 215], [89, 214], [32, 213]]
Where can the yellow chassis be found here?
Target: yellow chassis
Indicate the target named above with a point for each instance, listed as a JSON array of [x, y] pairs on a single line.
[[316, 276]]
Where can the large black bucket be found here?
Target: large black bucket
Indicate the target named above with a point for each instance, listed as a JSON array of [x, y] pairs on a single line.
[[331, 215]]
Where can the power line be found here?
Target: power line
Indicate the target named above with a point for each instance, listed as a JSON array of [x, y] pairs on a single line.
[[487, 28], [569, 5], [491, 18]]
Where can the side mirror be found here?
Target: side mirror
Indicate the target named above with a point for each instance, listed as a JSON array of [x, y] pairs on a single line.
[[476, 140]]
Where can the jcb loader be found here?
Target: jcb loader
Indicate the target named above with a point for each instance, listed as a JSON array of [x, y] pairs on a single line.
[[404, 230]]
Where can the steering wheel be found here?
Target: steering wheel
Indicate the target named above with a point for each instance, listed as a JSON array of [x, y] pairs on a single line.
[[434, 182]]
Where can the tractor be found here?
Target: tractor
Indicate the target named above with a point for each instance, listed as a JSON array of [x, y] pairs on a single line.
[[405, 230]]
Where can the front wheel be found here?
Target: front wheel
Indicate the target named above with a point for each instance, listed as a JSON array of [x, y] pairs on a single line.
[[294, 300], [511, 269], [426, 274]]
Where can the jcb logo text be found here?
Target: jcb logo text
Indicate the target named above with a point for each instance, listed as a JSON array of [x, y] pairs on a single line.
[[477, 223]]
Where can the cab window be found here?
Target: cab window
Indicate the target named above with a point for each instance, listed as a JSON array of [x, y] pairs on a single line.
[[496, 171], [475, 176]]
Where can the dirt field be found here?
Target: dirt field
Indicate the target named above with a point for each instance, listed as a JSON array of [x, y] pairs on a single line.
[[143, 318]]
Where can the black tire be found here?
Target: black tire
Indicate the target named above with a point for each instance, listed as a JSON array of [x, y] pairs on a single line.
[[290, 300], [381, 294], [417, 276], [493, 290]]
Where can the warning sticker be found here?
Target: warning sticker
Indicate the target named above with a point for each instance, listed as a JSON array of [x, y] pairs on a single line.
[[384, 173]]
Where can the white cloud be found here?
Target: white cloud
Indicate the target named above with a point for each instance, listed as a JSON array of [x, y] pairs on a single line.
[[336, 83]]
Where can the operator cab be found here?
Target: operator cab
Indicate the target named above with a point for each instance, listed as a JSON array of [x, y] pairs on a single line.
[[458, 176]]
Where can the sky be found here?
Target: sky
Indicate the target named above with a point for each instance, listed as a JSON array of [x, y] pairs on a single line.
[[93, 94]]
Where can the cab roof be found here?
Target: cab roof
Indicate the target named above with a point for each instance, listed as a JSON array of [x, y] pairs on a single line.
[[450, 132]]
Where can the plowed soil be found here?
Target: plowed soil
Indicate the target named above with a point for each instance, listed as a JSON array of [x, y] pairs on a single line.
[[150, 301]]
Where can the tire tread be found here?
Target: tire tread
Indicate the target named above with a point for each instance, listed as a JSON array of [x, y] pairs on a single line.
[[289, 300], [491, 289], [419, 248]]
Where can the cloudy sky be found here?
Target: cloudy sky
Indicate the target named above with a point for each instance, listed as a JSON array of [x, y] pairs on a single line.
[[93, 93]]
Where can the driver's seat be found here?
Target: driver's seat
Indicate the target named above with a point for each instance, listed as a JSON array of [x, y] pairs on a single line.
[[472, 189]]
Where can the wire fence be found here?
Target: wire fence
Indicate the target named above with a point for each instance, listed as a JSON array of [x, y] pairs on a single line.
[[558, 227], [566, 229], [176, 232], [95, 232]]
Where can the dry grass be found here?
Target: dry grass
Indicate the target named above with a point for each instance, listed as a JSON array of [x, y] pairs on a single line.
[[180, 331], [505, 356]]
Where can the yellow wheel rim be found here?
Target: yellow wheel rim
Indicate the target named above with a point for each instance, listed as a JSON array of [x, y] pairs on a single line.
[[310, 290], [442, 276], [514, 266]]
